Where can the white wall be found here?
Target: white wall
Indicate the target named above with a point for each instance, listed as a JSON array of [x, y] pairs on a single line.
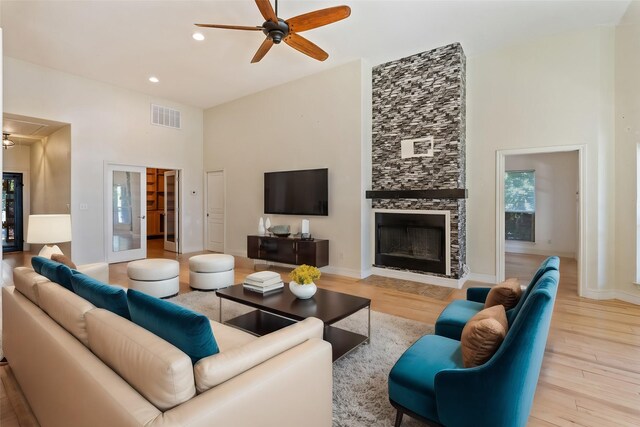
[[556, 219], [366, 237], [627, 139], [314, 122], [556, 91], [17, 158], [51, 178], [109, 124], [51, 173]]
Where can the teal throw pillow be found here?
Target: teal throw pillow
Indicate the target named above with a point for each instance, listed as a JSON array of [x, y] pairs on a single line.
[[189, 331], [54, 271], [37, 262], [101, 295]]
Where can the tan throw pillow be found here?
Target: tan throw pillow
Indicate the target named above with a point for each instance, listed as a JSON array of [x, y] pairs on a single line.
[[507, 294], [482, 336], [63, 259]]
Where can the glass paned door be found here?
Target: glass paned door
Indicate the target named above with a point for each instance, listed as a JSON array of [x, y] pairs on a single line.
[[171, 213], [12, 227], [126, 213]]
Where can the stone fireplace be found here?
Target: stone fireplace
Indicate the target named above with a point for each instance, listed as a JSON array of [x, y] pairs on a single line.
[[418, 163]]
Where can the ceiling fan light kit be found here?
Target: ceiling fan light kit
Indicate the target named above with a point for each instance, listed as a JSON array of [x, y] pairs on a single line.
[[276, 29]]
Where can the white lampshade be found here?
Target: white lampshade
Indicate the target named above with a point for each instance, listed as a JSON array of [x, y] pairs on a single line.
[[47, 229]]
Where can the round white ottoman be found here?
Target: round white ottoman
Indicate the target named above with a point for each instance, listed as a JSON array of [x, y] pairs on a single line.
[[155, 276], [211, 271]]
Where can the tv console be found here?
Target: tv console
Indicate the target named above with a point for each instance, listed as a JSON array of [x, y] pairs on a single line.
[[289, 250]]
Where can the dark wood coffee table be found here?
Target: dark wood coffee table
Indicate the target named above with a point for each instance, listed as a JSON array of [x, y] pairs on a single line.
[[279, 309]]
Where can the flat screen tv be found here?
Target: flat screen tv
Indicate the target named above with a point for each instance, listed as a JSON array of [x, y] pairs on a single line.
[[303, 192]]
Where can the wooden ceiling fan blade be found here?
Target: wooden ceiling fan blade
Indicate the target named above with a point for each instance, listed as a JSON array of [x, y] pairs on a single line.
[[318, 18], [305, 46], [267, 10], [262, 50], [229, 27]]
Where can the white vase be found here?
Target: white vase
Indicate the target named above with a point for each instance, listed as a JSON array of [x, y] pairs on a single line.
[[267, 224], [261, 229], [303, 291]]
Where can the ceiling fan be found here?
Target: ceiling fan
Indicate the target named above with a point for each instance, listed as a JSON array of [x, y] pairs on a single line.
[[277, 29]]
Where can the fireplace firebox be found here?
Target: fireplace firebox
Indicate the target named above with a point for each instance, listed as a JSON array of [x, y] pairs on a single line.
[[411, 241]]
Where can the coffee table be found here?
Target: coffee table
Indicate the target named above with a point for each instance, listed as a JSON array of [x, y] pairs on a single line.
[[280, 309]]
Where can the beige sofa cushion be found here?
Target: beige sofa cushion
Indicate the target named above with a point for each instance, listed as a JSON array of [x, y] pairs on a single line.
[[228, 337], [156, 369], [216, 369], [66, 308], [25, 281]]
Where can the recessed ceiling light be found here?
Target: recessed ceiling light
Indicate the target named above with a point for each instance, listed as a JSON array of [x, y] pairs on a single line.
[[154, 79], [198, 36]]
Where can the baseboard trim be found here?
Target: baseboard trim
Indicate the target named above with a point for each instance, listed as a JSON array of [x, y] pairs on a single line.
[[628, 297], [348, 272], [420, 278], [543, 252], [598, 294], [242, 254], [479, 277]]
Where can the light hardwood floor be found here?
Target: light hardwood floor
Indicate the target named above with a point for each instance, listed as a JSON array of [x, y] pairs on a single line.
[[591, 370]]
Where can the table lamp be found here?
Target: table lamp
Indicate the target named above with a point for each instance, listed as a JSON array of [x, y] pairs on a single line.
[[48, 230]]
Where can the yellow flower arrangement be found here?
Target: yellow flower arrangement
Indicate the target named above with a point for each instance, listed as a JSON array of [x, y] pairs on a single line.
[[305, 274]]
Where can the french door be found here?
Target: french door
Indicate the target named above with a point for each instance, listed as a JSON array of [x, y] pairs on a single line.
[[171, 211], [126, 213]]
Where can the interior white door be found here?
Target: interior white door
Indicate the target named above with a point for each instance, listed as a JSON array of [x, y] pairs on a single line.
[[171, 211], [126, 213], [215, 211]]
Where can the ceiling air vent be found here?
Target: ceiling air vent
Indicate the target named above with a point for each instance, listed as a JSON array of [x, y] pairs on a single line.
[[165, 116]]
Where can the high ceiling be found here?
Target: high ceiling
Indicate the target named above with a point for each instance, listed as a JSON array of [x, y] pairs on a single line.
[[125, 42]]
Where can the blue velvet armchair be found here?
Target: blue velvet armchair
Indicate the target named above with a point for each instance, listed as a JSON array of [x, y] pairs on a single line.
[[453, 318], [430, 383]]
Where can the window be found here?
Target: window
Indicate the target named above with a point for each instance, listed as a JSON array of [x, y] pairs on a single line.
[[520, 205]]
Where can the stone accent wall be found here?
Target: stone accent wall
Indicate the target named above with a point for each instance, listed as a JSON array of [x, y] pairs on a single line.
[[414, 97]]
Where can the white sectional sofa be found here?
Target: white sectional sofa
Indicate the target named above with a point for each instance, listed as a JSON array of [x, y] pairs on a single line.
[[79, 365]]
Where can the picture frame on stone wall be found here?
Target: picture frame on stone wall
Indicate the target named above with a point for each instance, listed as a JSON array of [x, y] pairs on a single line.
[[408, 147]]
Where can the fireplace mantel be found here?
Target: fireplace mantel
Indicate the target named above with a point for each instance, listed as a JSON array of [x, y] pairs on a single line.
[[448, 193]]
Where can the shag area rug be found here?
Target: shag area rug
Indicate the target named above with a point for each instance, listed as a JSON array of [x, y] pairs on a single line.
[[360, 396]]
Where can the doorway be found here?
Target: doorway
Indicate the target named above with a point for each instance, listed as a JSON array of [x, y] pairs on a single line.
[[12, 212], [163, 207], [171, 210], [41, 154], [215, 220], [540, 209], [125, 213]]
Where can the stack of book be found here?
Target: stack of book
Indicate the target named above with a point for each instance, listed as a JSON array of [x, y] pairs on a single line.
[[263, 282]]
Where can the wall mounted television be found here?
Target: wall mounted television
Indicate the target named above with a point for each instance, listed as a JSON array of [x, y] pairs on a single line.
[[301, 192]]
